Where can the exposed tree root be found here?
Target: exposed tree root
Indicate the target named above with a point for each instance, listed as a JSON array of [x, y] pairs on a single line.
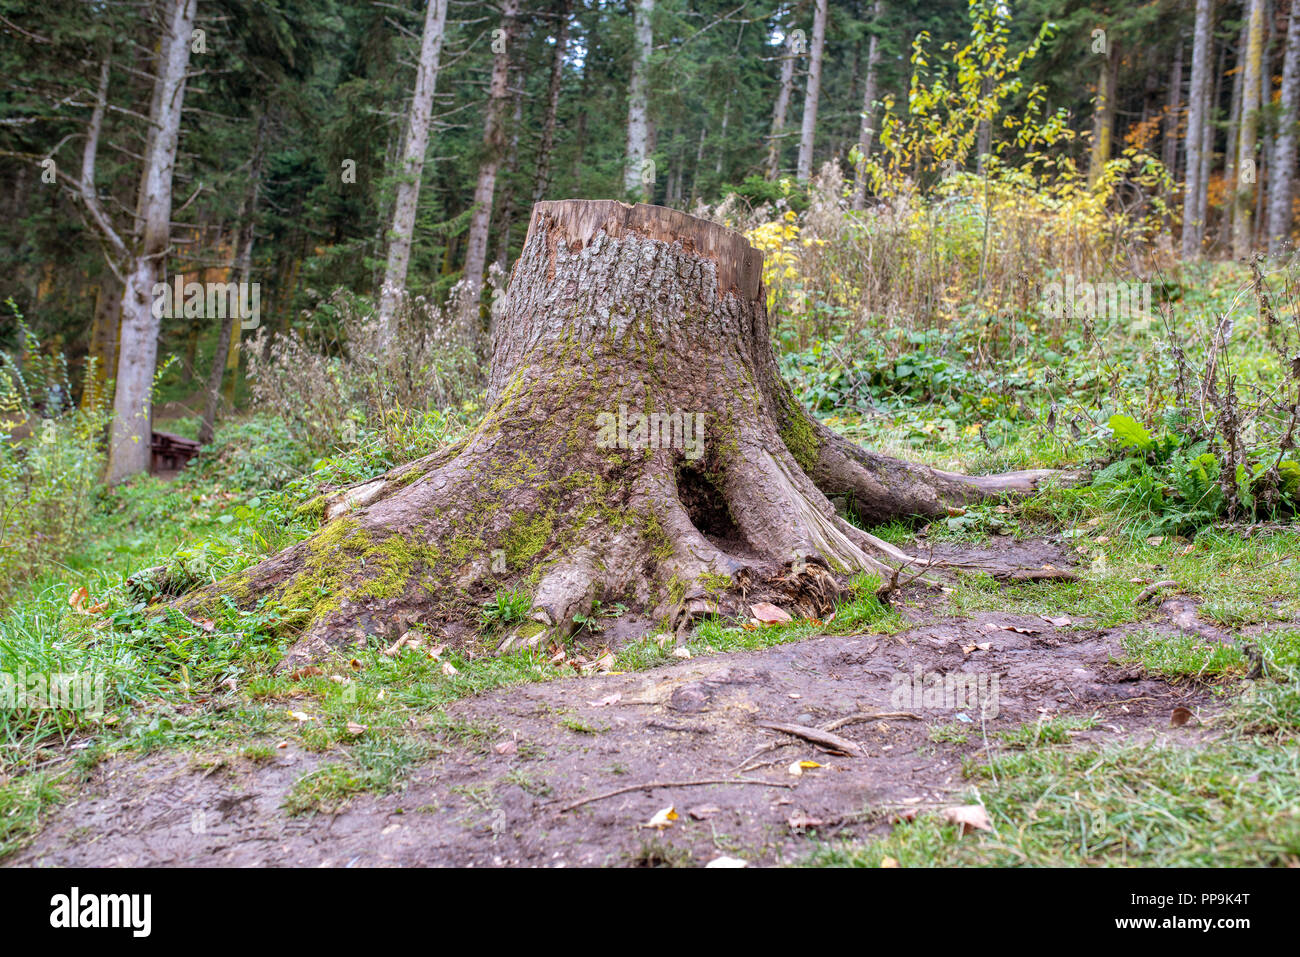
[[639, 448]]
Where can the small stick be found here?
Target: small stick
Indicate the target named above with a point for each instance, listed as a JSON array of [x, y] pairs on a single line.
[[671, 784], [870, 716], [824, 738], [1150, 590]]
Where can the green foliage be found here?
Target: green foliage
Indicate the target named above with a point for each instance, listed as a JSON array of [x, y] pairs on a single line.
[[506, 608], [51, 458]]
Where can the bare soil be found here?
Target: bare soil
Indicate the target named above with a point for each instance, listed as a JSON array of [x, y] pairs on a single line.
[[500, 798]]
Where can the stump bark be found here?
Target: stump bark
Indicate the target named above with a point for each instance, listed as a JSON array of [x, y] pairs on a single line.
[[640, 447]]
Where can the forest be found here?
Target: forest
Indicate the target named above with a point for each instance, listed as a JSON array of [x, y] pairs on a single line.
[[658, 433]]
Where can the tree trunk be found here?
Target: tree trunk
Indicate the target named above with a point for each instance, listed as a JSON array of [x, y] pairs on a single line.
[[808, 132], [1103, 121], [1197, 109], [1243, 191], [416, 142], [506, 218], [640, 446], [103, 339], [138, 351], [867, 131], [1209, 138], [779, 111], [494, 141], [228, 335], [1284, 146], [1169, 153], [543, 177], [638, 101]]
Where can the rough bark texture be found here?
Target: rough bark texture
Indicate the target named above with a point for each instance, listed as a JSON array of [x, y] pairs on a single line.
[[612, 311]]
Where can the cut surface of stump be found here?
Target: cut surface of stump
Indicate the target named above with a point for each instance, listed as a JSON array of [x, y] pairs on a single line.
[[639, 448]]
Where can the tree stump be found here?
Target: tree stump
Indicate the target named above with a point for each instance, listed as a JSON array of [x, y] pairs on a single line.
[[640, 447]]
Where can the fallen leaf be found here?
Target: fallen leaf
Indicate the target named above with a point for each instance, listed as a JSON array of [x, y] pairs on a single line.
[[354, 728], [906, 814], [1156, 540], [681, 652], [769, 614], [448, 669], [505, 747], [77, 600], [1180, 717], [704, 812], [662, 819], [300, 716], [726, 862], [888, 862], [1055, 622], [304, 672], [603, 664], [978, 646], [971, 817]]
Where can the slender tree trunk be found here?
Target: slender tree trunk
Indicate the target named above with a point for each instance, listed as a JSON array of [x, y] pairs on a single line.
[[779, 111], [1246, 169], [808, 132], [1284, 146], [638, 101], [103, 338], [129, 448], [415, 143], [1104, 114], [507, 217], [1197, 112], [1173, 111], [723, 497], [1230, 170], [542, 181], [494, 143], [867, 130], [228, 335], [1209, 137]]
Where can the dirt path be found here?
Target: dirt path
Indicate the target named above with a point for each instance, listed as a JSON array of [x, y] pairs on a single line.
[[497, 797]]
